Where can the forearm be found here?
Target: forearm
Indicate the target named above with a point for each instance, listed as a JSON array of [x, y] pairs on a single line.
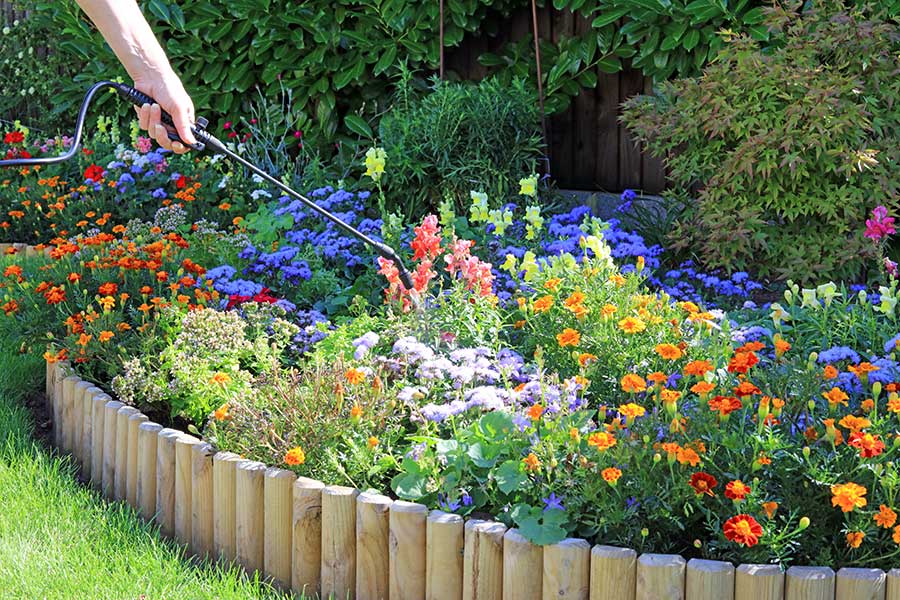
[[128, 34]]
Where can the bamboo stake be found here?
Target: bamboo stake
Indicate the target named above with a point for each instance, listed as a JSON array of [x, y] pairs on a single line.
[[224, 490], [338, 541], [278, 490], [307, 536], [131, 481], [444, 556], [67, 418], [407, 550], [202, 501], [98, 436], [373, 551], [709, 580], [809, 583], [483, 561], [148, 436], [660, 576], [184, 486], [110, 422], [248, 512], [759, 582], [523, 568], [613, 573], [120, 478], [87, 432], [165, 481], [893, 585], [861, 584], [567, 567]]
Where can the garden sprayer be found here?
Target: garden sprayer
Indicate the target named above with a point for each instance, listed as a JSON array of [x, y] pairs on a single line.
[[207, 141]]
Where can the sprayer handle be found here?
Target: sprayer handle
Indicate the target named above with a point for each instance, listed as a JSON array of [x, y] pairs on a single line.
[[139, 98]]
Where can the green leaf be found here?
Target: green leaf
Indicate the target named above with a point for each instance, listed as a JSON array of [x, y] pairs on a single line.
[[610, 64], [509, 477], [691, 38], [358, 126], [476, 453], [409, 486], [386, 61], [754, 16], [542, 530], [609, 17]]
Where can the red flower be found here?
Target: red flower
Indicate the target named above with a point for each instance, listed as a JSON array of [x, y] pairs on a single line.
[[182, 182], [869, 445], [736, 490], [94, 173], [703, 483], [427, 243], [14, 137], [742, 529]]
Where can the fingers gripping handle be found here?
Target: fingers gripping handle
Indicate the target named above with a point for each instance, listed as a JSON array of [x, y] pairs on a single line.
[[139, 98]]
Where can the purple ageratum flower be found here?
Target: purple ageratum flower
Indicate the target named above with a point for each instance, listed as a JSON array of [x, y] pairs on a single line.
[[407, 395], [434, 368], [553, 502], [891, 344], [413, 349], [364, 343], [487, 398], [415, 453], [881, 225], [441, 412], [837, 354]]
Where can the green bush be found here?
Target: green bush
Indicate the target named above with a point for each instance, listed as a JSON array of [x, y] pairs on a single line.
[[792, 146], [458, 138]]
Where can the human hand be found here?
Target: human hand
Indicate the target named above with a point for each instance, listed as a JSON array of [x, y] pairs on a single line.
[[171, 96]]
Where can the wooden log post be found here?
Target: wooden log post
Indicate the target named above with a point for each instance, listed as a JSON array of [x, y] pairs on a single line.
[[407, 550], [49, 371], [131, 480], [860, 584], [110, 422], [338, 541], [184, 487], [306, 569], [249, 488], [709, 580], [373, 552], [483, 560], [893, 585], [120, 479], [278, 516], [67, 418], [165, 481], [224, 490], [57, 402], [148, 436], [202, 500], [660, 576], [523, 568], [759, 582], [445, 544], [567, 568], [87, 432], [78, 422], [613, 573], [809, 583], [98, 436]]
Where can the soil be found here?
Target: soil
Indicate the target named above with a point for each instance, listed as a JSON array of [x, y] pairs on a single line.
[[36, 404]]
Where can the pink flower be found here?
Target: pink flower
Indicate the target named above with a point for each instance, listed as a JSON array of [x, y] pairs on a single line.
[[890, 266], [427, 243], [881, 225], [227, 125], [143, 144], [298, 134]]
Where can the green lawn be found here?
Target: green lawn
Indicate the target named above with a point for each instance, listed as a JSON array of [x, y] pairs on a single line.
[[60, 540]]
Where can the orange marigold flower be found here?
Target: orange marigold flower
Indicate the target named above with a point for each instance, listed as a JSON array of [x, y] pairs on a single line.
[[108, 289], [742, 362], [633, 384], [829, 372], [736, 490], [543, 304], [781, 346], [13, 271], [763, 460], [162, 276], [535, 411], [689, 307], [221, 413], [868, 405], [770, 508], [372, 442], [532, 462], [55, 295], [105, 336], [698, 368], [354, 376], [553, 283], [862, 370], [658, 377], [868, 445], [703, 483], [670, 448], [854, 423], [10, 307], [575, 299], [688, 456], [848, 496], [669, 351], [601, 440], [836, 396], [896, 536], [568, 337], [632, 410], [632, 325], [855, 538], [220, 378], [74, 277], [751, 347], [519, 324], [617, 279], [123, 326], [611, 474], [742, 529], [295, 456], [669, 396], [146, 290], [893, 404], [586, 358], [886, 517], [84, 340], [608, 310], [746, 389], [703, 387]]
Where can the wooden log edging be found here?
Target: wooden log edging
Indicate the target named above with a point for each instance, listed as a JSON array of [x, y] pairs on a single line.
[[304, 535]]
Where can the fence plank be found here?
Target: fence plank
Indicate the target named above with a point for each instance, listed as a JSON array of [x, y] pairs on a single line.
[[78, 422], [809, 583], [134, 423], [893, 584], [567, 567], [483, 561], [860, 584], [224, 490], [202, 511], [653, 170], [56, 405], [278, 495], [184, 488], [98, 415], [759, 582], [87, 432], [307, 536], [67, 421], [613, 573], [660, 576], [110, 423], [248, 514], [584, 136], [407, 550], [523, 567], [373, 525], [631, 82], [148, 436], [444, 556], [165, 481], [120, 479], [709, 580], [338, 541]]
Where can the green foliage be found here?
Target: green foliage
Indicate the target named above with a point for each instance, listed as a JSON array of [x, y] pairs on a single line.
[[792, 145], [457, 138]]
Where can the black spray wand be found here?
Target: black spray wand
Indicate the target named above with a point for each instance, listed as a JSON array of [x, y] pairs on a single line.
[[207, 141]]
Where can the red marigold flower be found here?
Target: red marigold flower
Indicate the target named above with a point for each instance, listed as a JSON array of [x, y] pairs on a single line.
[[725, 405], [742, 529], [108, 289], [869, 445], [742, 362], [703, 483], [746, 389], [736, 490]]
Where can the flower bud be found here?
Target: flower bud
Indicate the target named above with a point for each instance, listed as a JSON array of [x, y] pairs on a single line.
[[645, 532], [811, 405], [698, 544], [804, 523], [657, 457], [806, 451], [876, 390], [646, 439]]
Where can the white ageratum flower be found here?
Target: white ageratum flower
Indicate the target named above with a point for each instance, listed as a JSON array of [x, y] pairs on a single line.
[[257, 194]]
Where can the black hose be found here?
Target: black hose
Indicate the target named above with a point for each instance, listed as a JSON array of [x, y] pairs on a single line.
[[207, 141]]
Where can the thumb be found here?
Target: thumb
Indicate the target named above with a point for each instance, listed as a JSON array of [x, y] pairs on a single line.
[[183, 119]]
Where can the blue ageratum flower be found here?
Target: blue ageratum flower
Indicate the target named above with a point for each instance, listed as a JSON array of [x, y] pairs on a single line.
[[837, 354]]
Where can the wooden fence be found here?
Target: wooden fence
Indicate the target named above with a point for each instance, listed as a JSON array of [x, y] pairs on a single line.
[[305, 535]]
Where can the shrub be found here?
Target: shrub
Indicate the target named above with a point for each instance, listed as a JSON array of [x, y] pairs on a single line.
[[792, 146], [456, 138]]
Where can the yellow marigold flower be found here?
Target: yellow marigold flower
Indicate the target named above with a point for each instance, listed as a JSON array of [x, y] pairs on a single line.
[[611, 475], [893, 404], [617, 280], [848, 496], [688, 456], [855, 538], [608, 310], [543, 304], [356, 412], [669, 396], [632, 410], [552, 284], [574, 299], [601, 440], [568, 337], [295, 456], [854, 423], [632, 325], [886, 517], [690, 307], [836, 396], [669, 351]]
